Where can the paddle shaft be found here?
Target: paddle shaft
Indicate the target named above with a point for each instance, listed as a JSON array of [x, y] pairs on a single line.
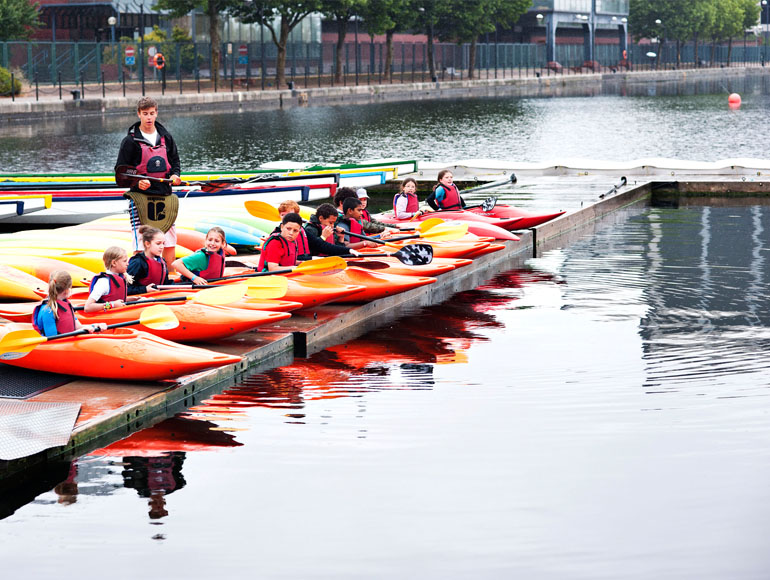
[[80, 331], [511, 179], [148, 300]]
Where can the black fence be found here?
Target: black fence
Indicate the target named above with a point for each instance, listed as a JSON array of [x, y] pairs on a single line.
[[46, 66]]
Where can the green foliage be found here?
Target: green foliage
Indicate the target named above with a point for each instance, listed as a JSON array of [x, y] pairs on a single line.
[[383, 16], [682, 21], [5, 82], [466, 20], [18, 19]]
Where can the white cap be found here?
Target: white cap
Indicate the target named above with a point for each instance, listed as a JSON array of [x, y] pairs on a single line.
[[362, 193]]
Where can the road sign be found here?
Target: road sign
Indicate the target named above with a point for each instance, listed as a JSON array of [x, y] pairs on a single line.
[[130, 61], [130, 51], [152, 51], [243, 50]]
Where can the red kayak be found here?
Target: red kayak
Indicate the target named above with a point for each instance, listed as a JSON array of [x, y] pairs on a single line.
[[526, 219], [498, 229]]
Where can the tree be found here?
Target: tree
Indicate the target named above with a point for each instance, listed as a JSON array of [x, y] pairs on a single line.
[[726, 25], [212, 9], [341, 11], [466, 20], [388, 17], [18, 19], [289, 13]]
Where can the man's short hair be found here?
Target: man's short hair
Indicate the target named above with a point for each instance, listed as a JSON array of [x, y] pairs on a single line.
[[351, 203], [344, 193], [292, 217], [325, 210], [146, 103]]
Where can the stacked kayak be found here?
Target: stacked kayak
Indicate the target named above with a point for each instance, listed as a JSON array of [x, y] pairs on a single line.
[[121, 353], [477, 224]]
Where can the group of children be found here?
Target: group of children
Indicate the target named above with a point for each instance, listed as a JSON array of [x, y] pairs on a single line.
[[331, 231]]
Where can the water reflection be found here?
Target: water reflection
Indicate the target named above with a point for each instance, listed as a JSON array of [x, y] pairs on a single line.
[[683, 119]]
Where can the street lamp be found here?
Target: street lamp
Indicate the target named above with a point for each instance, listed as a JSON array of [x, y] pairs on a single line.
[[765, 26], [112, 21]]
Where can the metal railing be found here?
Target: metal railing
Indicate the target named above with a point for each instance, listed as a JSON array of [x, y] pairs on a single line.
[[252, 66]]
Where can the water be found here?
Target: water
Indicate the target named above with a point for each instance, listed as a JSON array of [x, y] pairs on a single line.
[[696, 127], [601, 413]]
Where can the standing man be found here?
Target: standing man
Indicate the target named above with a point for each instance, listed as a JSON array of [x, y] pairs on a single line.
[[150, 150]]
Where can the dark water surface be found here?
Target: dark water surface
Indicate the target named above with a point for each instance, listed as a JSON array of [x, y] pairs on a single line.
[[602, 413], [696, 127]]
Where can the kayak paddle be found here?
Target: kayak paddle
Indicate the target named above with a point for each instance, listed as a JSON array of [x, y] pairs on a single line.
[[439, 233], [262, 210], [216, 296], [410, 255], [511, 179], [126, 176], [18, 343], [429, 223], [317, 266]]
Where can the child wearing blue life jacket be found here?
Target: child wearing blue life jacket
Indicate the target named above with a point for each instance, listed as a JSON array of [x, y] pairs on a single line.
[[206, 263], [109, 289], [148, 268], [445, 194], [56, 315]]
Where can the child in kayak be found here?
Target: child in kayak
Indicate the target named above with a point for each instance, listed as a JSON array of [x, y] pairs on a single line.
[[406, 204], [55, 315], [370, 226], [206, 263], [280, 249], [351, 223], [445, 194], [323, 239], [148, 268], [109, 289]]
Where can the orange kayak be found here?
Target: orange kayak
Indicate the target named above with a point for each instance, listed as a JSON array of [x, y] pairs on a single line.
[[197, 322], [488, 250], [313, 290], [376, 285], [121, 353]]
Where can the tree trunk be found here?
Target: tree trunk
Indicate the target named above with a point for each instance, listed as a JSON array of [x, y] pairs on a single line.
[[678, 53], [216, 40], [713, 50], [729, 51], [696, 51], [472, 59], [660, 55], [431, 60], [389, 55], [280, 61], [342, 30]]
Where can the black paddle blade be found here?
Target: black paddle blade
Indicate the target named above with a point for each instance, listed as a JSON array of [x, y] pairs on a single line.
[[125, 176], [489, 204], [415, 254]]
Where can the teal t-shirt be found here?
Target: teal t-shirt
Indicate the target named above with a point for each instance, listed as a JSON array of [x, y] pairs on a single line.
[[196, 262]]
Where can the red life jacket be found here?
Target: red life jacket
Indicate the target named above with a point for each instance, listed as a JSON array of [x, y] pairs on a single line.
[[154, 161], [412, 203], [117, 287], [157, 272], [216, 265], [365, 215], [355, 228], [289, 257], [451, 198], [303, 246], [66, 317]]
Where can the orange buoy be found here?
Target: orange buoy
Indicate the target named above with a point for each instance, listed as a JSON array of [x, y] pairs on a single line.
[[734, 100]]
